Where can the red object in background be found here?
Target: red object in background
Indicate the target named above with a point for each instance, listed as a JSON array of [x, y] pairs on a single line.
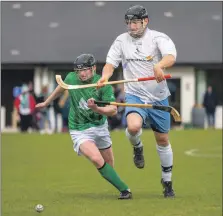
[[32, 103]]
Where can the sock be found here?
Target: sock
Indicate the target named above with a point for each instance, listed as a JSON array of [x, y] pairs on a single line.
[[134, 140], [111, 176], [166, 158]]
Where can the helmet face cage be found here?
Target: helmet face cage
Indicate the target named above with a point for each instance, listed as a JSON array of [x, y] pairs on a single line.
[[135, 21], [89, 76], [141, 28], [136, 14]]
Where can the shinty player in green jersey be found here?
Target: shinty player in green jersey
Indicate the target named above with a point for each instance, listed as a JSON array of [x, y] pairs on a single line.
[[88, 124]]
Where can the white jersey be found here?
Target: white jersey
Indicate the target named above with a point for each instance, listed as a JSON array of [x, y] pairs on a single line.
[[138, 56]]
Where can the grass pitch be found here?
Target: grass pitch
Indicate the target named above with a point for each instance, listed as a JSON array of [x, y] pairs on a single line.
[[44, 169]]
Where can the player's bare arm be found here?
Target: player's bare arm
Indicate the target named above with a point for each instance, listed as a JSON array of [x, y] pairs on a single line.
[[109, 110], [106, 74], [55, 94], [166, 61]]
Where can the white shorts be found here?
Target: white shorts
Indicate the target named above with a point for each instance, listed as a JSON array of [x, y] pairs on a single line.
[[99, 135]]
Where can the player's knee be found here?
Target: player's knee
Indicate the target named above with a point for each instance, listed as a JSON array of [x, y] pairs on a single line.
[[162, 139], [134, 129], [134, 123]]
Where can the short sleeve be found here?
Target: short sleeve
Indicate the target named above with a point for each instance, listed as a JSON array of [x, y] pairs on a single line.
[[115, 53], [67, 80], [108, 93], [166, 45]]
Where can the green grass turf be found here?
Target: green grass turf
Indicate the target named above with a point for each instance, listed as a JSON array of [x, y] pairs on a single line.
[[44, 169]]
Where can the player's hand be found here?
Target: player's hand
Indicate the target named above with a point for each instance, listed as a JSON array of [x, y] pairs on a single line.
[[158, 72], [91, 104], [101, 81], [41, 105]]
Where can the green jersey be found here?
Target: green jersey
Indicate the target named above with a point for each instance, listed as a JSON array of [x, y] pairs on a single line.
[[80, 116]]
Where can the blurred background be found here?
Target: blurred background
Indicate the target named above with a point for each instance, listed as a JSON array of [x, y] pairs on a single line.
[[41, 39]]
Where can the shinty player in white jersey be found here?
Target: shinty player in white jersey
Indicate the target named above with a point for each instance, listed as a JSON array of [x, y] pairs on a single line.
[[145, 52]]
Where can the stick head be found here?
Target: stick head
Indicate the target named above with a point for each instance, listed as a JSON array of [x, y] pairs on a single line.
[[175, 114], [58, 77], [60, 82], [171, 110]]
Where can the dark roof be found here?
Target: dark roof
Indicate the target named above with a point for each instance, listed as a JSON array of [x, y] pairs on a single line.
[[196, 29]]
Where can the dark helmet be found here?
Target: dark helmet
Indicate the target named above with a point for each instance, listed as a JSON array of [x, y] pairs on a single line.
[[84, 61], [136, 12]]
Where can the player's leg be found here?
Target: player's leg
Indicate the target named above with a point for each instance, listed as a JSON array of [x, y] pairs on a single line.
[[90, 150], [108, 155], [135, 118], [160, 123], [85, 145], [104, 144], [165, 153]]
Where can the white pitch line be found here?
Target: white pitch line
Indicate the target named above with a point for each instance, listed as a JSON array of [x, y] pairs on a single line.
[[194, 153]]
